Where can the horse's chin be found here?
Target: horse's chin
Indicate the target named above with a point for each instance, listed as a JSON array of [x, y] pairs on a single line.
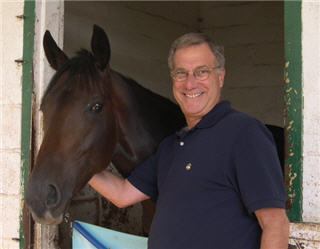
[[47, 219]]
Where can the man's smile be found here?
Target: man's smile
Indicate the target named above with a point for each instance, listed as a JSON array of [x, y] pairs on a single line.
[[193, 95]]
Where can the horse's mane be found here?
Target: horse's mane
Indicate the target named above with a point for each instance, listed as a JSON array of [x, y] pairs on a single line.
[[145, 95], [161, 111]]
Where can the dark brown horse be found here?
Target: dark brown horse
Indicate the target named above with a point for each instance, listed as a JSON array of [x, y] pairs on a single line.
[[92, 116]]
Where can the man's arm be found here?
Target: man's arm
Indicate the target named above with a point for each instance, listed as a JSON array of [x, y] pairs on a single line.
[[275, 228], [116, 189]]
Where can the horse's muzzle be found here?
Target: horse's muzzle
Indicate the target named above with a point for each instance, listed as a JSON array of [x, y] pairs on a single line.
[[44, 203]]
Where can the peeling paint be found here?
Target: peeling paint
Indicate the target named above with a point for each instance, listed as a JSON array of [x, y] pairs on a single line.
[[294, 176], [289, 90], [287, 64]]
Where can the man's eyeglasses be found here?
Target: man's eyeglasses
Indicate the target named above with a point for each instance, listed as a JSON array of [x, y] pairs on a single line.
[[200, 73]]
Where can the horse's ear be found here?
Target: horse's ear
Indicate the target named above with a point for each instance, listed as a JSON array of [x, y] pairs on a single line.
[[55, 56], [100, 47]]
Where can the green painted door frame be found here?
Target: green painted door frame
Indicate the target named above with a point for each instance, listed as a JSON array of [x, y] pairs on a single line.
[[26, 118], [293, 112]]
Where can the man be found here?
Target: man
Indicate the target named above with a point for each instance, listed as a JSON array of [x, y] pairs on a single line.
[[217, 183]]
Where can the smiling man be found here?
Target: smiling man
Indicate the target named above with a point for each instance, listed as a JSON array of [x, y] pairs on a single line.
[[217, 183], [197, 80]]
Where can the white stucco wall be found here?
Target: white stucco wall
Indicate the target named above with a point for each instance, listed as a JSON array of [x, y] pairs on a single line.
[[311, 110], [11, 45]]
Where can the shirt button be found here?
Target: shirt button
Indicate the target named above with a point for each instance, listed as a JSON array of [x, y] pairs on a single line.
[[181, 143], [188, 166]]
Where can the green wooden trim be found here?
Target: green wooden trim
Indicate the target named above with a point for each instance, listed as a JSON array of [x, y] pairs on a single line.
[[26, 116], [293, 117]]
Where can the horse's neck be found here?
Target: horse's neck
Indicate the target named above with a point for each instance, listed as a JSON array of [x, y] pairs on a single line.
[[143, 118]]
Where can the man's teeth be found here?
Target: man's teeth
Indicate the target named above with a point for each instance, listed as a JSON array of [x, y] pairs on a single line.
[[193, 95]]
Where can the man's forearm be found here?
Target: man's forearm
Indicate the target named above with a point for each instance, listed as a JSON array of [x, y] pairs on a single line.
[[275, 237], [275, 228], [116, 189], [109, 185]]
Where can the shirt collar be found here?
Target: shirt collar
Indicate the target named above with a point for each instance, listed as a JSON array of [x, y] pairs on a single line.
[[219, 111], [215, 115]]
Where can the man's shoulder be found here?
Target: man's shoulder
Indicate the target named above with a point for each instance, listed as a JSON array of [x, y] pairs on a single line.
[[244, 125], [239, 120]]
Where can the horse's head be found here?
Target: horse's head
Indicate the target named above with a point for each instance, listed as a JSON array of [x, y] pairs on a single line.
[[79, 127]]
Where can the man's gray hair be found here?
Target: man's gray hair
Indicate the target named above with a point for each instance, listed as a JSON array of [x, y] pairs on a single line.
[[191, 39]]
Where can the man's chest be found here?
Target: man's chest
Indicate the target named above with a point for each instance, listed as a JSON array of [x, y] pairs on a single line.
[[195, 163]]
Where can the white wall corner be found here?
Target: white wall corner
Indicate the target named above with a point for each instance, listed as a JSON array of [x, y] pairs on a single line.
[[11, 46], [311, 111]]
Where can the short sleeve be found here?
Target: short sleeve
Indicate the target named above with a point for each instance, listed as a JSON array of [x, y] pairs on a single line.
[[258, 170], [144, 178]]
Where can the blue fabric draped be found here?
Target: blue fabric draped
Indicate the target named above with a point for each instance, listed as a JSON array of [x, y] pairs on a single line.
[[87, 236]]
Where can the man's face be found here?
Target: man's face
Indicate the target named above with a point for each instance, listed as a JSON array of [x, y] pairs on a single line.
[[196, 97]]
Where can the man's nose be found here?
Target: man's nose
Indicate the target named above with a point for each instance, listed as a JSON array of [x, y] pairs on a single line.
[[191, 82]]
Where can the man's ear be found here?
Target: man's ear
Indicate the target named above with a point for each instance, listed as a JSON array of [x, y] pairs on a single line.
[[221, 75]]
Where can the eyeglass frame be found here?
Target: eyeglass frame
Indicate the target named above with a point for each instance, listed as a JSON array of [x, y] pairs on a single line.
[[193, 72]]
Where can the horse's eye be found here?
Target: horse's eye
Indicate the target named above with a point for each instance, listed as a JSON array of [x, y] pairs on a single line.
[[97, 107]]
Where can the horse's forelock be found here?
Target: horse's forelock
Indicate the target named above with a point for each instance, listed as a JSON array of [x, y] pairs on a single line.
[[82, 69]]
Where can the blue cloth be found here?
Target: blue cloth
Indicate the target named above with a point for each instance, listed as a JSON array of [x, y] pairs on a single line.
[[209, 180], [87, 236]]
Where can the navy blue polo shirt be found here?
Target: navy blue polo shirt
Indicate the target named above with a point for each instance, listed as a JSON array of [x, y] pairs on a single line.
[[209, 180]]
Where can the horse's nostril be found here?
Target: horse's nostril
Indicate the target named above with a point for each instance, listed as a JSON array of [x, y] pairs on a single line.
[[53, 196]]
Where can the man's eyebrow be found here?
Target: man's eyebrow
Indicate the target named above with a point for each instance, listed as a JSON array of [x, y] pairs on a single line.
[[180, 69], [202, 66]]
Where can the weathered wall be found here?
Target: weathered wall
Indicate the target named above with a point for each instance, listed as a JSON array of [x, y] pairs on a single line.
[[311, 111], [11, 48], [141, 34]]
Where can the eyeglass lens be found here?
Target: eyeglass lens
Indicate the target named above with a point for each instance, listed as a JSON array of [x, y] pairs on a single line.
[[201, 73]]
